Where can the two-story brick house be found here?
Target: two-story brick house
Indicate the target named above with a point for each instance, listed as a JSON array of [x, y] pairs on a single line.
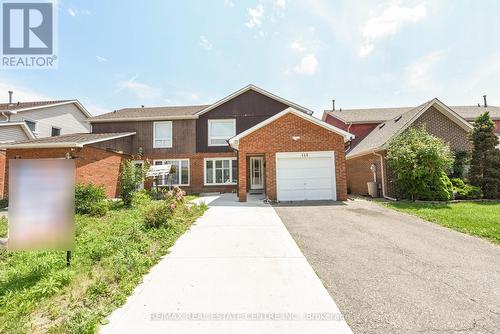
[[249, 141]]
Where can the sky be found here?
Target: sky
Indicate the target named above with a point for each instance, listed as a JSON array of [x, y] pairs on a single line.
[[116, 54]]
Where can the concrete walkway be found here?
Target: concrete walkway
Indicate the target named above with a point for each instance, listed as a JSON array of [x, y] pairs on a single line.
[[237, 270]]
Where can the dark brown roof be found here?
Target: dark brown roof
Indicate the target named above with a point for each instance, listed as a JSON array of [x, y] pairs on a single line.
[[33, 104], [150, 113], [70, 140], [379, 115]]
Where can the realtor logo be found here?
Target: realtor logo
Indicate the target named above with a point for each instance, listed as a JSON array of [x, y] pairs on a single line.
[[28, 35]]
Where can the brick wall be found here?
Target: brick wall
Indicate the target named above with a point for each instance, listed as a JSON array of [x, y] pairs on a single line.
[[93, 165], [359, 173], [277, 137]]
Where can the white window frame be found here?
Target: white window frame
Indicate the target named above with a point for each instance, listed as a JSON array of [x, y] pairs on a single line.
[[221, 120], [55, 127], [166, 138], [179, 171], [231, 159]]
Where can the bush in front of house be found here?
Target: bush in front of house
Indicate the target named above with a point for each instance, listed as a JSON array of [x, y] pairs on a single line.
[[485, 161], [157, 214], [131, 177], [465, 191], [140, 198], [420, 162], [4, 202], [90, 200]]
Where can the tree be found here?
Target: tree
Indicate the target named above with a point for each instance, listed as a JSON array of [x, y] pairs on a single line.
[[131, 176], [485, 160], [420, 162]]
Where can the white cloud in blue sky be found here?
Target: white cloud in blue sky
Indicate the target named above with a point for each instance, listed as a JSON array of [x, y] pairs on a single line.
[[362, 53]]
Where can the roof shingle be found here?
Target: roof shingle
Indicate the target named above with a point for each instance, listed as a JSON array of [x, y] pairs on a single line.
[[33, 104], [71, 140], [150, 113]]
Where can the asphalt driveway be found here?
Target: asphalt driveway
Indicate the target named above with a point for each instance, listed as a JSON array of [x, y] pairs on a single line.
[[392, 273]]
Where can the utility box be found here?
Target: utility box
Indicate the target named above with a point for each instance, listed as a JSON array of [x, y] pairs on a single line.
[[373, 189]]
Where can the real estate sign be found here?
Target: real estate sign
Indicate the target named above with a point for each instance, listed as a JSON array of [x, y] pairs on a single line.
[[41, 204]]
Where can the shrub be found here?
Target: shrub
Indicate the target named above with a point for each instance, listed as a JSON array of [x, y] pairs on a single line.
[[4, 202], [90, 200], [140, 198], [157, 214], [175, 197], [131, 177], [465, 191], [460, 163], [420, 161]]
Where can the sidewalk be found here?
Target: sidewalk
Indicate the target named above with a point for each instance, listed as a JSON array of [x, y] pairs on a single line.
[[234, 272]]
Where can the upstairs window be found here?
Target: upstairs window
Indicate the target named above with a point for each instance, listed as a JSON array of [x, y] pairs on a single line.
[[220, 131], [55, 132], [162, 134], [31, 125]]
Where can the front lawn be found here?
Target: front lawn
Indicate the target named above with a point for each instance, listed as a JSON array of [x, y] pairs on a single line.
[[480, 219], [39, 294]]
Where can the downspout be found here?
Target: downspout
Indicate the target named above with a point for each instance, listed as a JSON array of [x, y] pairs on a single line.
[[7, 118], [382, 173]]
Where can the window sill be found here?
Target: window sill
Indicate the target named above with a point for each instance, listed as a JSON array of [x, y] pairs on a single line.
[[220, 184]]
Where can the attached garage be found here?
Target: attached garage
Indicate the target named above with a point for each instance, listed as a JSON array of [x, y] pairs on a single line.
[[305, 176], [301, 158]]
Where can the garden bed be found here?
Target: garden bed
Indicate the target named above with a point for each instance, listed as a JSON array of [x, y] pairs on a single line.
[[112, 254]]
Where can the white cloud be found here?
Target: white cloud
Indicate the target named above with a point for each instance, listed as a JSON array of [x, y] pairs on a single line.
[[139, 89], [389, 23], [419, 74], [308, 65], [297, 46], [205, 43], [228, 3], [256, 14], [72, 12], [101, 59], [280, 3]]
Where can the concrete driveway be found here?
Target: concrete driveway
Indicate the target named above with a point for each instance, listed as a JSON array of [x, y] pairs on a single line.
[[237, 270], [392, 273]]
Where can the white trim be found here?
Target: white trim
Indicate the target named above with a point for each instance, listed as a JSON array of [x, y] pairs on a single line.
[[230, 171], [309, 154], [262, 172], [178, 170], [258, 90], [234, 142], [23, 125], [142, 119], [171, 134], [35, 144], [221, 120]]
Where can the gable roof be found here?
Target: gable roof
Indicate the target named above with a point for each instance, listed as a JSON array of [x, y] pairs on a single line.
[[234, 141], [150, 113], [379, 137], [184, 112], [258, 90], [379, 115], [23, 126], [14, 108], [70, 140]]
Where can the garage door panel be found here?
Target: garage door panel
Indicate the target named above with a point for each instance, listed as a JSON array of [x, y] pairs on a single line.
[[305, 178]]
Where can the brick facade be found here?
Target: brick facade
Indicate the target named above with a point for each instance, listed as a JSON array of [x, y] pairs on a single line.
[[359, 173], [93, 165], [277, 137]]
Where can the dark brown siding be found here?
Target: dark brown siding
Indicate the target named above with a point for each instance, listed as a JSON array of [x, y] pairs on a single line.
[[123, 144], [183, 135], [249, 109]]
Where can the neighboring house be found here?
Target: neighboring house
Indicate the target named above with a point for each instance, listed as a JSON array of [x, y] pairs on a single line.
[[440, 120], [21, 121], [249, 141]]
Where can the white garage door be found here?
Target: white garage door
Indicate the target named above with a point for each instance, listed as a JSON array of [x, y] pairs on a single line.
[[305, 176]]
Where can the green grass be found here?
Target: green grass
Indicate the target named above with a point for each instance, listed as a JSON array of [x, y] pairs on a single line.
[[480, 219], [39, 294]]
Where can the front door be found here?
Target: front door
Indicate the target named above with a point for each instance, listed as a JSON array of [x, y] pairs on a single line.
[[256, 173]]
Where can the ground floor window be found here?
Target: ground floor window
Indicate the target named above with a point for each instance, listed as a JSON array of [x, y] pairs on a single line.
[[181, 175], [221, 171]]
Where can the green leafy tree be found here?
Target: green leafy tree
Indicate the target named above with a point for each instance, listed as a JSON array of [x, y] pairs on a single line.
[[131, 177], [420, 162], [485, 161]]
